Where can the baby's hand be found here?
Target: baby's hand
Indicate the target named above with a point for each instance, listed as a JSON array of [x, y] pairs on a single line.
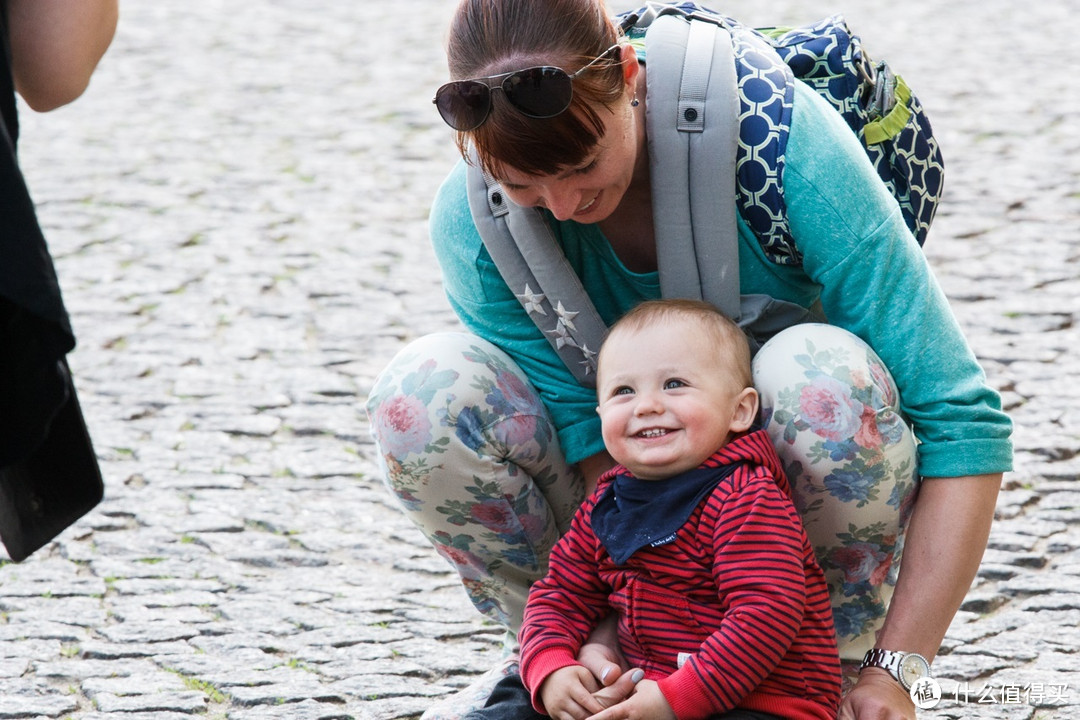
[[646, 702], [567, 694]]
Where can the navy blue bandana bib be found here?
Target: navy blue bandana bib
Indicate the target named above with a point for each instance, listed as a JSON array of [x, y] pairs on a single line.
[[632, 514]]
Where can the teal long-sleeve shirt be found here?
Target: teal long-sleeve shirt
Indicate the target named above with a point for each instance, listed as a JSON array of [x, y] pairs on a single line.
[[859, 260]]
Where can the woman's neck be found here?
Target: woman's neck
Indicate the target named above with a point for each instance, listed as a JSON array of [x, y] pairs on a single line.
[[630, 228]]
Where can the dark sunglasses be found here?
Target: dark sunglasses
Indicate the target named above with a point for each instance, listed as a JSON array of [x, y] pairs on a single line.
[[537, 92]]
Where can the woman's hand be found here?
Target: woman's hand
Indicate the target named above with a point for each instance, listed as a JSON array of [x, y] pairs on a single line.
[[877, 696], [566, 693], [646, 702], [620, 688], [601, 654]]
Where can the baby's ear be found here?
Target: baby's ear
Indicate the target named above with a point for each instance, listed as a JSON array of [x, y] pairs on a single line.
[[746, 410]]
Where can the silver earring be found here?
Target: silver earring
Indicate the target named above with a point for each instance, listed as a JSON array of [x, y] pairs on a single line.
[[634, 102]]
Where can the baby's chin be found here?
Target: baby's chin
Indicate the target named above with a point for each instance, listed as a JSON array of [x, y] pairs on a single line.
[[660, 470], [654, 473]]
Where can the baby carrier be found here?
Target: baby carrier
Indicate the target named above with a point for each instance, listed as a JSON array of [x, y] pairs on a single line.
[[718, 113]]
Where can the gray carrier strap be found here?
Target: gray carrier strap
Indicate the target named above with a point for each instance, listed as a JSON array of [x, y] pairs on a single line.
[[523, 246], [693, 170]]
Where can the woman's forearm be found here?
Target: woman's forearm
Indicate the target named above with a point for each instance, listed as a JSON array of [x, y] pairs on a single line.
[[56, 45], [943, 547]]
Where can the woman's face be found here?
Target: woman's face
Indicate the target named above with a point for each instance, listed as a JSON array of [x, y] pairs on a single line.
[[590, 191]]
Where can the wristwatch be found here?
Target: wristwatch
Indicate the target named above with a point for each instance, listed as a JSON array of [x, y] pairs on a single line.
[[907, 668]]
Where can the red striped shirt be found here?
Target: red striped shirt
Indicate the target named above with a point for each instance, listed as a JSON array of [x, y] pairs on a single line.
[[738, 591]]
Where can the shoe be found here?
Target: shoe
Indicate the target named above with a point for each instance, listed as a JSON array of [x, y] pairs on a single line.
[[474, 696]]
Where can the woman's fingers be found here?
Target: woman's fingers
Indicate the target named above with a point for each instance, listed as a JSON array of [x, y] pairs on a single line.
[[620, 689]]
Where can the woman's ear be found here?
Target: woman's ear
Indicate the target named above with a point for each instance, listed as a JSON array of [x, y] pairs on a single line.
[[746, 410], [630, 66]]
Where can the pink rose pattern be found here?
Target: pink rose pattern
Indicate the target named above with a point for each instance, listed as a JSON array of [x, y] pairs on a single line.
[[828, 408], [403, 421]]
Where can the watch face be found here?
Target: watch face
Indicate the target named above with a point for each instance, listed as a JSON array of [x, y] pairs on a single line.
[[913, 667]]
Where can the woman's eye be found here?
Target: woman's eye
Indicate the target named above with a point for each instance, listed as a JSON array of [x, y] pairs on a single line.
[[588, 168], [673, 383]]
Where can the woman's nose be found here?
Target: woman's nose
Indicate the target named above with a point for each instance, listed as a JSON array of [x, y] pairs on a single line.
[[562, 204]]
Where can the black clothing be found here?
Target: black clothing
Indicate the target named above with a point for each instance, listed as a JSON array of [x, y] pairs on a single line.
[[48, 472]]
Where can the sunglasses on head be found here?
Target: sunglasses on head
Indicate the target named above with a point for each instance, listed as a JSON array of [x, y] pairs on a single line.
[[537, 92]]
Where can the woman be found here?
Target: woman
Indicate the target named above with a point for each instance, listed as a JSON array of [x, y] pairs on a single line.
[[490, 444]]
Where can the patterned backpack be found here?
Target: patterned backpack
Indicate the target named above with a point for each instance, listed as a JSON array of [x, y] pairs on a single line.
[[877, 105]]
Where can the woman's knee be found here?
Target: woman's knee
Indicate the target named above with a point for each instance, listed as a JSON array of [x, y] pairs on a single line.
[[825, 379], [809, 349], [833, 411], [402, 404], [454, 399]]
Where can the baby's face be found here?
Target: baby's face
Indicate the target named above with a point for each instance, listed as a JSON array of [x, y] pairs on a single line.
[[669, 398]]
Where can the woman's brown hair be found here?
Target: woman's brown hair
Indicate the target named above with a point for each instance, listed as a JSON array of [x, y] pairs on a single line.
[[488, 37]]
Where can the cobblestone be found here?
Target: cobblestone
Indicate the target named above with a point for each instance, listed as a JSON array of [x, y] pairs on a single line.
[[237, 210]]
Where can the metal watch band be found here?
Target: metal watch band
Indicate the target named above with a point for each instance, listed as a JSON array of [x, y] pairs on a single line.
[[884, 659], [891, 661]]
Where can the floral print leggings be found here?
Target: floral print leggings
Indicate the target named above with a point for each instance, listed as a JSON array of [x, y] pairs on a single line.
[[468, 448]]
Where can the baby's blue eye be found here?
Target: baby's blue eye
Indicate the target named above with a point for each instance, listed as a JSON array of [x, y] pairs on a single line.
[[624, 390], [673, 383]]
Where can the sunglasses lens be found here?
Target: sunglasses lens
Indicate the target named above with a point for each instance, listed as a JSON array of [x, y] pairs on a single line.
[[539, 92], [463, 104]]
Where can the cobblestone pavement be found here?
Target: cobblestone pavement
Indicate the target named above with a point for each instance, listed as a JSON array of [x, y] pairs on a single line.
[[237, 209]]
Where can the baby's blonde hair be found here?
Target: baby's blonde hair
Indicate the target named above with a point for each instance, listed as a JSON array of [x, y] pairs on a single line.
[[729, 339]]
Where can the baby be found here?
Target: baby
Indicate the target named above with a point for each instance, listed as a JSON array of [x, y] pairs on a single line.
[[692, 541]]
